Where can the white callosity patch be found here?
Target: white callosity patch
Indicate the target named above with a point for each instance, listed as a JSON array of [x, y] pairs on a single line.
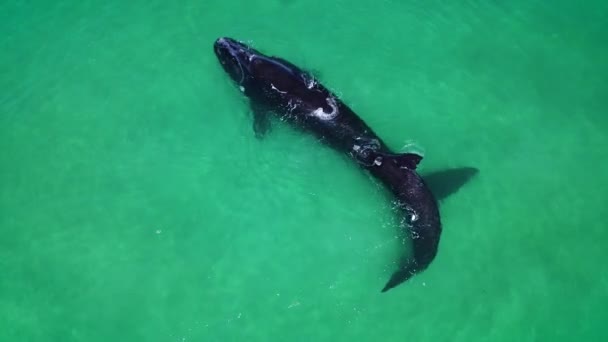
[[321, 114]]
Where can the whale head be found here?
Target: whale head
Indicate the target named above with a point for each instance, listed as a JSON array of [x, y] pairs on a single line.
[[235, 57], [269, 78]]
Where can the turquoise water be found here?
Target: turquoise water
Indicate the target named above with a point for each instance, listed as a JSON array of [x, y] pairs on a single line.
[[136, 204]]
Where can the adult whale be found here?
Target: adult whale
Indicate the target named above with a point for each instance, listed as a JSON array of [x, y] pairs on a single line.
[[274, 85]]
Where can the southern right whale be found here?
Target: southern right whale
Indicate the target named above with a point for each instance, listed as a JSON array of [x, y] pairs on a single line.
[[275, 86]]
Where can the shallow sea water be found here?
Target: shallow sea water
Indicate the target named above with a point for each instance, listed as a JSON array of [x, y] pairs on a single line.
[[136, 204]]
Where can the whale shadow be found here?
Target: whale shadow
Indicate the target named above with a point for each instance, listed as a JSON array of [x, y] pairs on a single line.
[[444, 183]]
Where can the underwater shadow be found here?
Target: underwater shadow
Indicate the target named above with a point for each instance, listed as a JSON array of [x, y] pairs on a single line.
[[445, 183]]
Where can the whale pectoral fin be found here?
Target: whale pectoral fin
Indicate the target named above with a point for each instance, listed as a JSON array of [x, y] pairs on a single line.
[[408, 160], [261, 121], [261, 124]]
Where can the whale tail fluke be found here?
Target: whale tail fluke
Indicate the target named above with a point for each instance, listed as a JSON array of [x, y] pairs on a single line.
[[400, 276]]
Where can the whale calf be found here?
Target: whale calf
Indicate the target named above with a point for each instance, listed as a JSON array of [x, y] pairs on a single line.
[[277, 87]]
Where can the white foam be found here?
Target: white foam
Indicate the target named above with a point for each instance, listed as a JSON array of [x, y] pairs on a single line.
[[321, 114], [311, 83]]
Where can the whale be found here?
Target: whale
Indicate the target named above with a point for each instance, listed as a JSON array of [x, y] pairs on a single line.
[[276, 87]]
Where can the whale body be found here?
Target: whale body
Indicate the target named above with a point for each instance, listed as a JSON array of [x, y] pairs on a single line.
[[275, 86]]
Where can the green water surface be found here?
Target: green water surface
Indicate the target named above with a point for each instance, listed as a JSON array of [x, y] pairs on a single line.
[[136, 204]]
